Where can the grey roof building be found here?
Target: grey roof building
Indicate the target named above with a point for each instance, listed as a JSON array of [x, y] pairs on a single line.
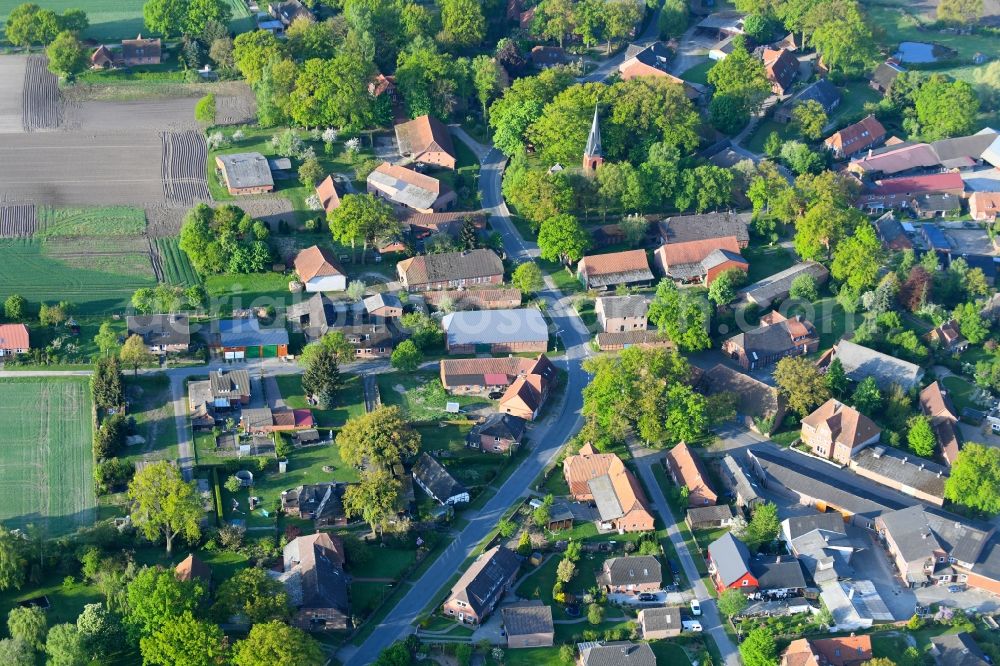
[[778, 573], [918, 529], [905, 472], [703, 226], [662, 622], [730, 558], [504, 426], [490, 327], [245, 170], [777, 286], [161, 332], [437, 482], [957, 650], [860, 362], [616, 307], [484, 583], [716, 513], [738, 481], [528, 624], [636, 570], [621, 653], [382, 300], [821, 543]]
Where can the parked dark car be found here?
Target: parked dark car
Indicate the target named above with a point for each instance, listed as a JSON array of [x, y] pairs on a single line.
[[647, 596]]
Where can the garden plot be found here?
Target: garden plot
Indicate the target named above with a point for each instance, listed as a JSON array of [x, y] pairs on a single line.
[[151, 114], [41, 107], [183, 168], [17, 220], [239, 107], [11, 87]]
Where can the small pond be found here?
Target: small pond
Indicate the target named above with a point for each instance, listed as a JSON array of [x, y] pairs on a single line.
[[917, 52]]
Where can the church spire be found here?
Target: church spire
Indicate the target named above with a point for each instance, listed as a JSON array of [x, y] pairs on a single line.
[[593, 155]]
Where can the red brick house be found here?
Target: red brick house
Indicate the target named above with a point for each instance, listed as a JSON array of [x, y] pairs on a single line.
[[141, 51], [316, 583], [775, 338], [601, 271], [687, 470], [499, 433], [482, 586], [936, 406], [426, 140], [984, 206], [856, 138], [948, 337], [604, 479], [700, 261], [836, 431], [450, 270], [781, 69], [729, 564]]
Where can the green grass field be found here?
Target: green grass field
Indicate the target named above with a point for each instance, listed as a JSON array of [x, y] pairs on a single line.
[[118, 19], [82, 271], [177, 269], [46, 479], [348, 404], [109, 221]]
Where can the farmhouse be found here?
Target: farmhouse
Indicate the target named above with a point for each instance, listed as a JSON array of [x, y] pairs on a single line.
[[901, 192], [729, 564], [495, 331], [935, 405], [245, 173], [617, 340], [685, 228], [699, 260], [822, 91], [370, 336], [222, 391], [319, 270], [481, 376], [860, 362], [450, 270], [482, 586], [775, 338], [908, 474], [528, 624], [885, 75], [837, 432], [102, 58], [604, 479], [435, 480], [781, 69], [948, 337], [761, 407], [319, 502], [630, 575], [840, 651], [984, 206], [162, 333], [686, 470], [652, 61], [525, 396], [544, 57], [141, 51], [777, 286], [621, 313], [406, 188], [329, 198], [315, 582], [855, 138], [476, 299], [288, 11], [423, 225], [499, 433], [13, 339], [601, 271], [244, 338], [426, 140], [659, 623], [264, 420]]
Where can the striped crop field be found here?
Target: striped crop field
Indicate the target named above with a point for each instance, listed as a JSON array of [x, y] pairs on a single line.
[[177, 269], [46, 478]]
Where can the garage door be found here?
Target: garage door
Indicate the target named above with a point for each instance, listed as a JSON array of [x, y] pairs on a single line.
[[271, 351], [253, 352]]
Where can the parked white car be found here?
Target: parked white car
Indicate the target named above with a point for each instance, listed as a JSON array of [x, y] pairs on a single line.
[[695, 608], [691, 625]]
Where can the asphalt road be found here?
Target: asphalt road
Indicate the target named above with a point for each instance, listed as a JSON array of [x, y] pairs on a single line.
[[711, 621], [548, 436]]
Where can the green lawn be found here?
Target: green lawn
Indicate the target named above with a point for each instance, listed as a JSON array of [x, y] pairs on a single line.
[[766, 261], [829, 318], [349, 401], [755, 142], [564, 280], [854, 97], [421, 396], [47, 477], [668, 653], [542, 656], [242, 291], [66, 602], [96, 275], [470, 466], [150, 405], [960, 392], [900, 25], [699, 73]]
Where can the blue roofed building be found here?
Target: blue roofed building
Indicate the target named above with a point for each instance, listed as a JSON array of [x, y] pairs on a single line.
[[245, 338]]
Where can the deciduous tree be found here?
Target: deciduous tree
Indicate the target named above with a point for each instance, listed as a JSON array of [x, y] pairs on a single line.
[[722, 291], [528, 278], [944, 108], [165, 17], [28, 24], [66, 56], [164, 504], [975, 478], [732, 603], [363, 218], [204, 110], [381, 437], [252, 51], [373, 498], [960, 11], [277, 643], [15, 308], [858, 258], [251, 596], [562, 238], [406, 357], [134, 353], [155, 597], [462, 22], [184, 640], [758, 648], [920, 436], [801, 383], [66, 646], [28, 624], [810, 119], [683, 316]]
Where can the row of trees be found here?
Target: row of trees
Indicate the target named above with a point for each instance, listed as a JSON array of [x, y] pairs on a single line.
[[224, 240], [593, 21]]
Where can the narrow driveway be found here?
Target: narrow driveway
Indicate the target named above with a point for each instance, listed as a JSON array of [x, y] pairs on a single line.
[[711, 621]]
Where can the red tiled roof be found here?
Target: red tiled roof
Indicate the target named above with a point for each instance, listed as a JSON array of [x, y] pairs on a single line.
[[614, 262], [327, 193], [314, 262], [859, 136], [691, 252], [13, 336], [935, 182]]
